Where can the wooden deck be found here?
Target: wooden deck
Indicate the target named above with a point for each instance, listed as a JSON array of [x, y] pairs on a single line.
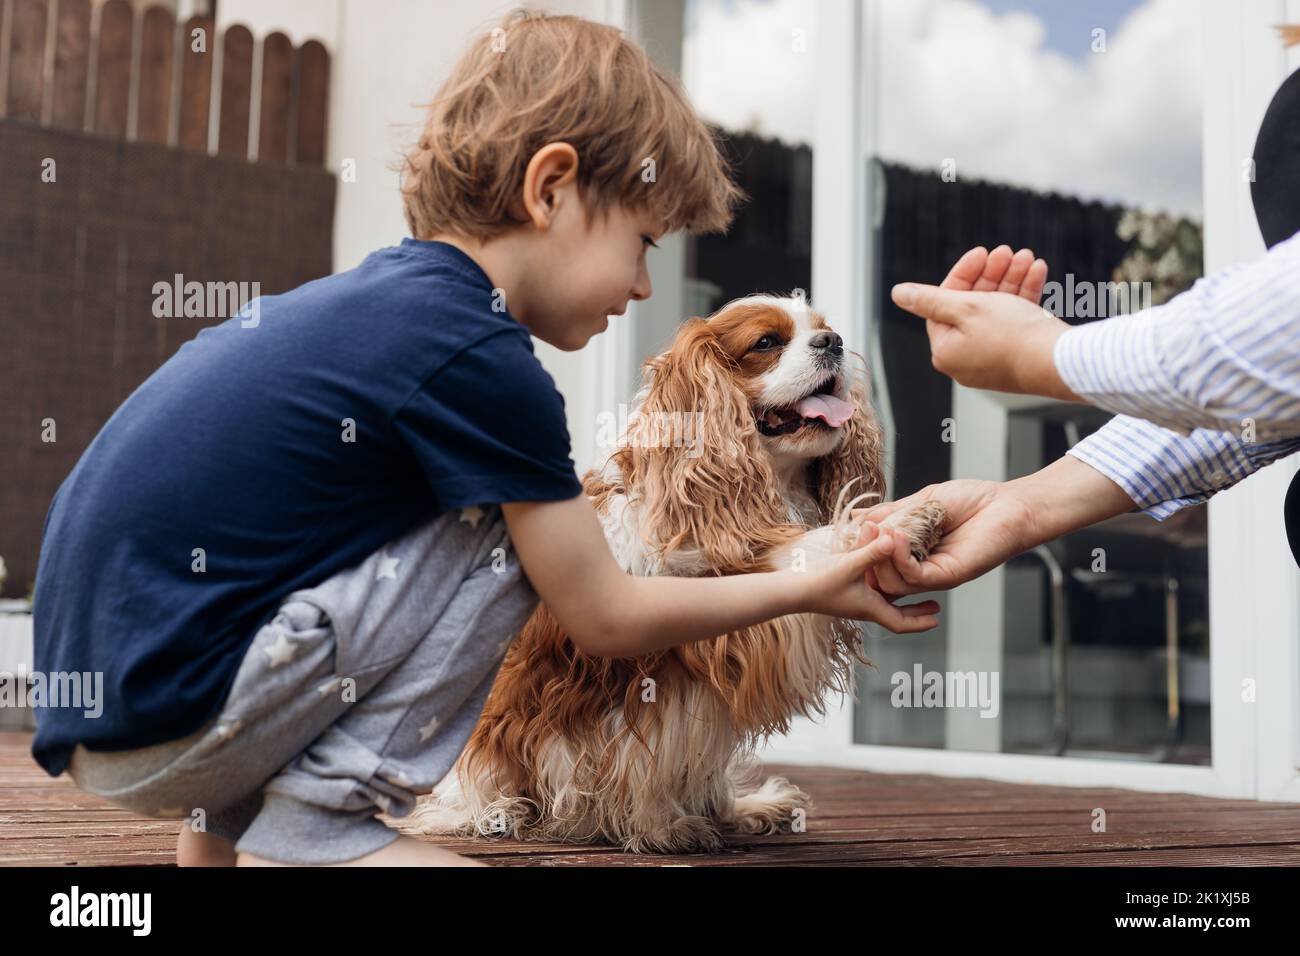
[[858, 818]]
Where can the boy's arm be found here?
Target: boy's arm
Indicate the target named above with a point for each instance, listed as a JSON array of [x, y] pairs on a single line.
[[610, 613]]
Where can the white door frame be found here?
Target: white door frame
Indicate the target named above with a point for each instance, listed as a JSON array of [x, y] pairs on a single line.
[[611, 363], [1254, 608], [1255, 585]]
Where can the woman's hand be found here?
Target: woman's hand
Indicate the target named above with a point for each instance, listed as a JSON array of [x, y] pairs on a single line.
[[988, 522], [987, 330], [985, 326], [838, 586]]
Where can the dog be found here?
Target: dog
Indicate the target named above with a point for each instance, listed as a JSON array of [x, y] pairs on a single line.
[[656, 753]]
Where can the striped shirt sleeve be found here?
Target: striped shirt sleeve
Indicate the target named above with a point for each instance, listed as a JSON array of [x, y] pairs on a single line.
[[1206, 386], [1164, 472]]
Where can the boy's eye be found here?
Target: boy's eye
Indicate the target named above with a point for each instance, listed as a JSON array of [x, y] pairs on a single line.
[[650, 242], [766, 342]]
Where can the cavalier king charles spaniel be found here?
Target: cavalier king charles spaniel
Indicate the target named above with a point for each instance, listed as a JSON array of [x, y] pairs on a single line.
[[656, 753]]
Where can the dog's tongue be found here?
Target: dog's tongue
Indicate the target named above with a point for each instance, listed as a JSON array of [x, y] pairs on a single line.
[[833, 411]]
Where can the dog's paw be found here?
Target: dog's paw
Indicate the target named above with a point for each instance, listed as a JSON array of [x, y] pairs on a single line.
[[922, 526], [771, 808], [685, 834]]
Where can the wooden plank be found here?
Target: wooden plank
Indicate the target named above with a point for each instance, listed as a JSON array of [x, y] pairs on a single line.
[[1196, 856], [196, 83], [71, 64], [113, 72], [311, 89], [277, 89], [923, 821], [26, 60], [154, 100], [236, 92]]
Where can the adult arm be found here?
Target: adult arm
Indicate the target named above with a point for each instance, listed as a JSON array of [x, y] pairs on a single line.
[[1128, 462], [1223, 356], [1207, 386], [991, 521]]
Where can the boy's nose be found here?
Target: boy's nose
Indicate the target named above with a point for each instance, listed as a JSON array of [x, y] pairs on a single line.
[[642, 289]]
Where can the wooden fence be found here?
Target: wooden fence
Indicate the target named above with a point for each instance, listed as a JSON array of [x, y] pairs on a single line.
[[102, 68], [126, 162]]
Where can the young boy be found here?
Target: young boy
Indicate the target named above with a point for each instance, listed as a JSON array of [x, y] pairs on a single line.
[[289, 552]]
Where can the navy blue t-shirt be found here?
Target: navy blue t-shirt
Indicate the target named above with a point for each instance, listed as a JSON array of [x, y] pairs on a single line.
[[238, 446]]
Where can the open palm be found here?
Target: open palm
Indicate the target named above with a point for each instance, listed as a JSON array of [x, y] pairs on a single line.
[[987, 524], [998, 271]]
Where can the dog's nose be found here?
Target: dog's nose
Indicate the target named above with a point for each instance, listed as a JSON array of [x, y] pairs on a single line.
[[829, 341]]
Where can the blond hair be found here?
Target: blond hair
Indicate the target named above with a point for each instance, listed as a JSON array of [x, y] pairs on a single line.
[[537, 79]]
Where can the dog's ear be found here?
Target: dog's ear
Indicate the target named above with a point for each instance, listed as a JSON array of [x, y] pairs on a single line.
[[859, 455], [693, 458]]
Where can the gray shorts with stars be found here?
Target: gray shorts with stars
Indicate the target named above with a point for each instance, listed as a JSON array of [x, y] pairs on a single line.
[[354, 700]]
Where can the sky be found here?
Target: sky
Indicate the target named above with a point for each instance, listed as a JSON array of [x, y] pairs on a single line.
[[1012, 90]]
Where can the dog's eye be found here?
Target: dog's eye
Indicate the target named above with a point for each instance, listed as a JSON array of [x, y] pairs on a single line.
[[766, 342]]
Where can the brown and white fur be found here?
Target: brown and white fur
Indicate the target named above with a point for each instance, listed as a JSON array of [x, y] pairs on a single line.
[[655, 753]]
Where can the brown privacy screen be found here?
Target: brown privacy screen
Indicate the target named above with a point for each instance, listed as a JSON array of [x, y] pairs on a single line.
[[134, 199]]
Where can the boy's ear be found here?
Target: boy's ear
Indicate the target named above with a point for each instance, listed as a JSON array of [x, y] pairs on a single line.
[[552, 167]]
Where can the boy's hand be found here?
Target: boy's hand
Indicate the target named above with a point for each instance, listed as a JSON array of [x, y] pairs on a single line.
[[839, 587], [1000, 340]]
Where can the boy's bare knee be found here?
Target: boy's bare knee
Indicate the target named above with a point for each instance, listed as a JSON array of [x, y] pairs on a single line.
[[194, 848]]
